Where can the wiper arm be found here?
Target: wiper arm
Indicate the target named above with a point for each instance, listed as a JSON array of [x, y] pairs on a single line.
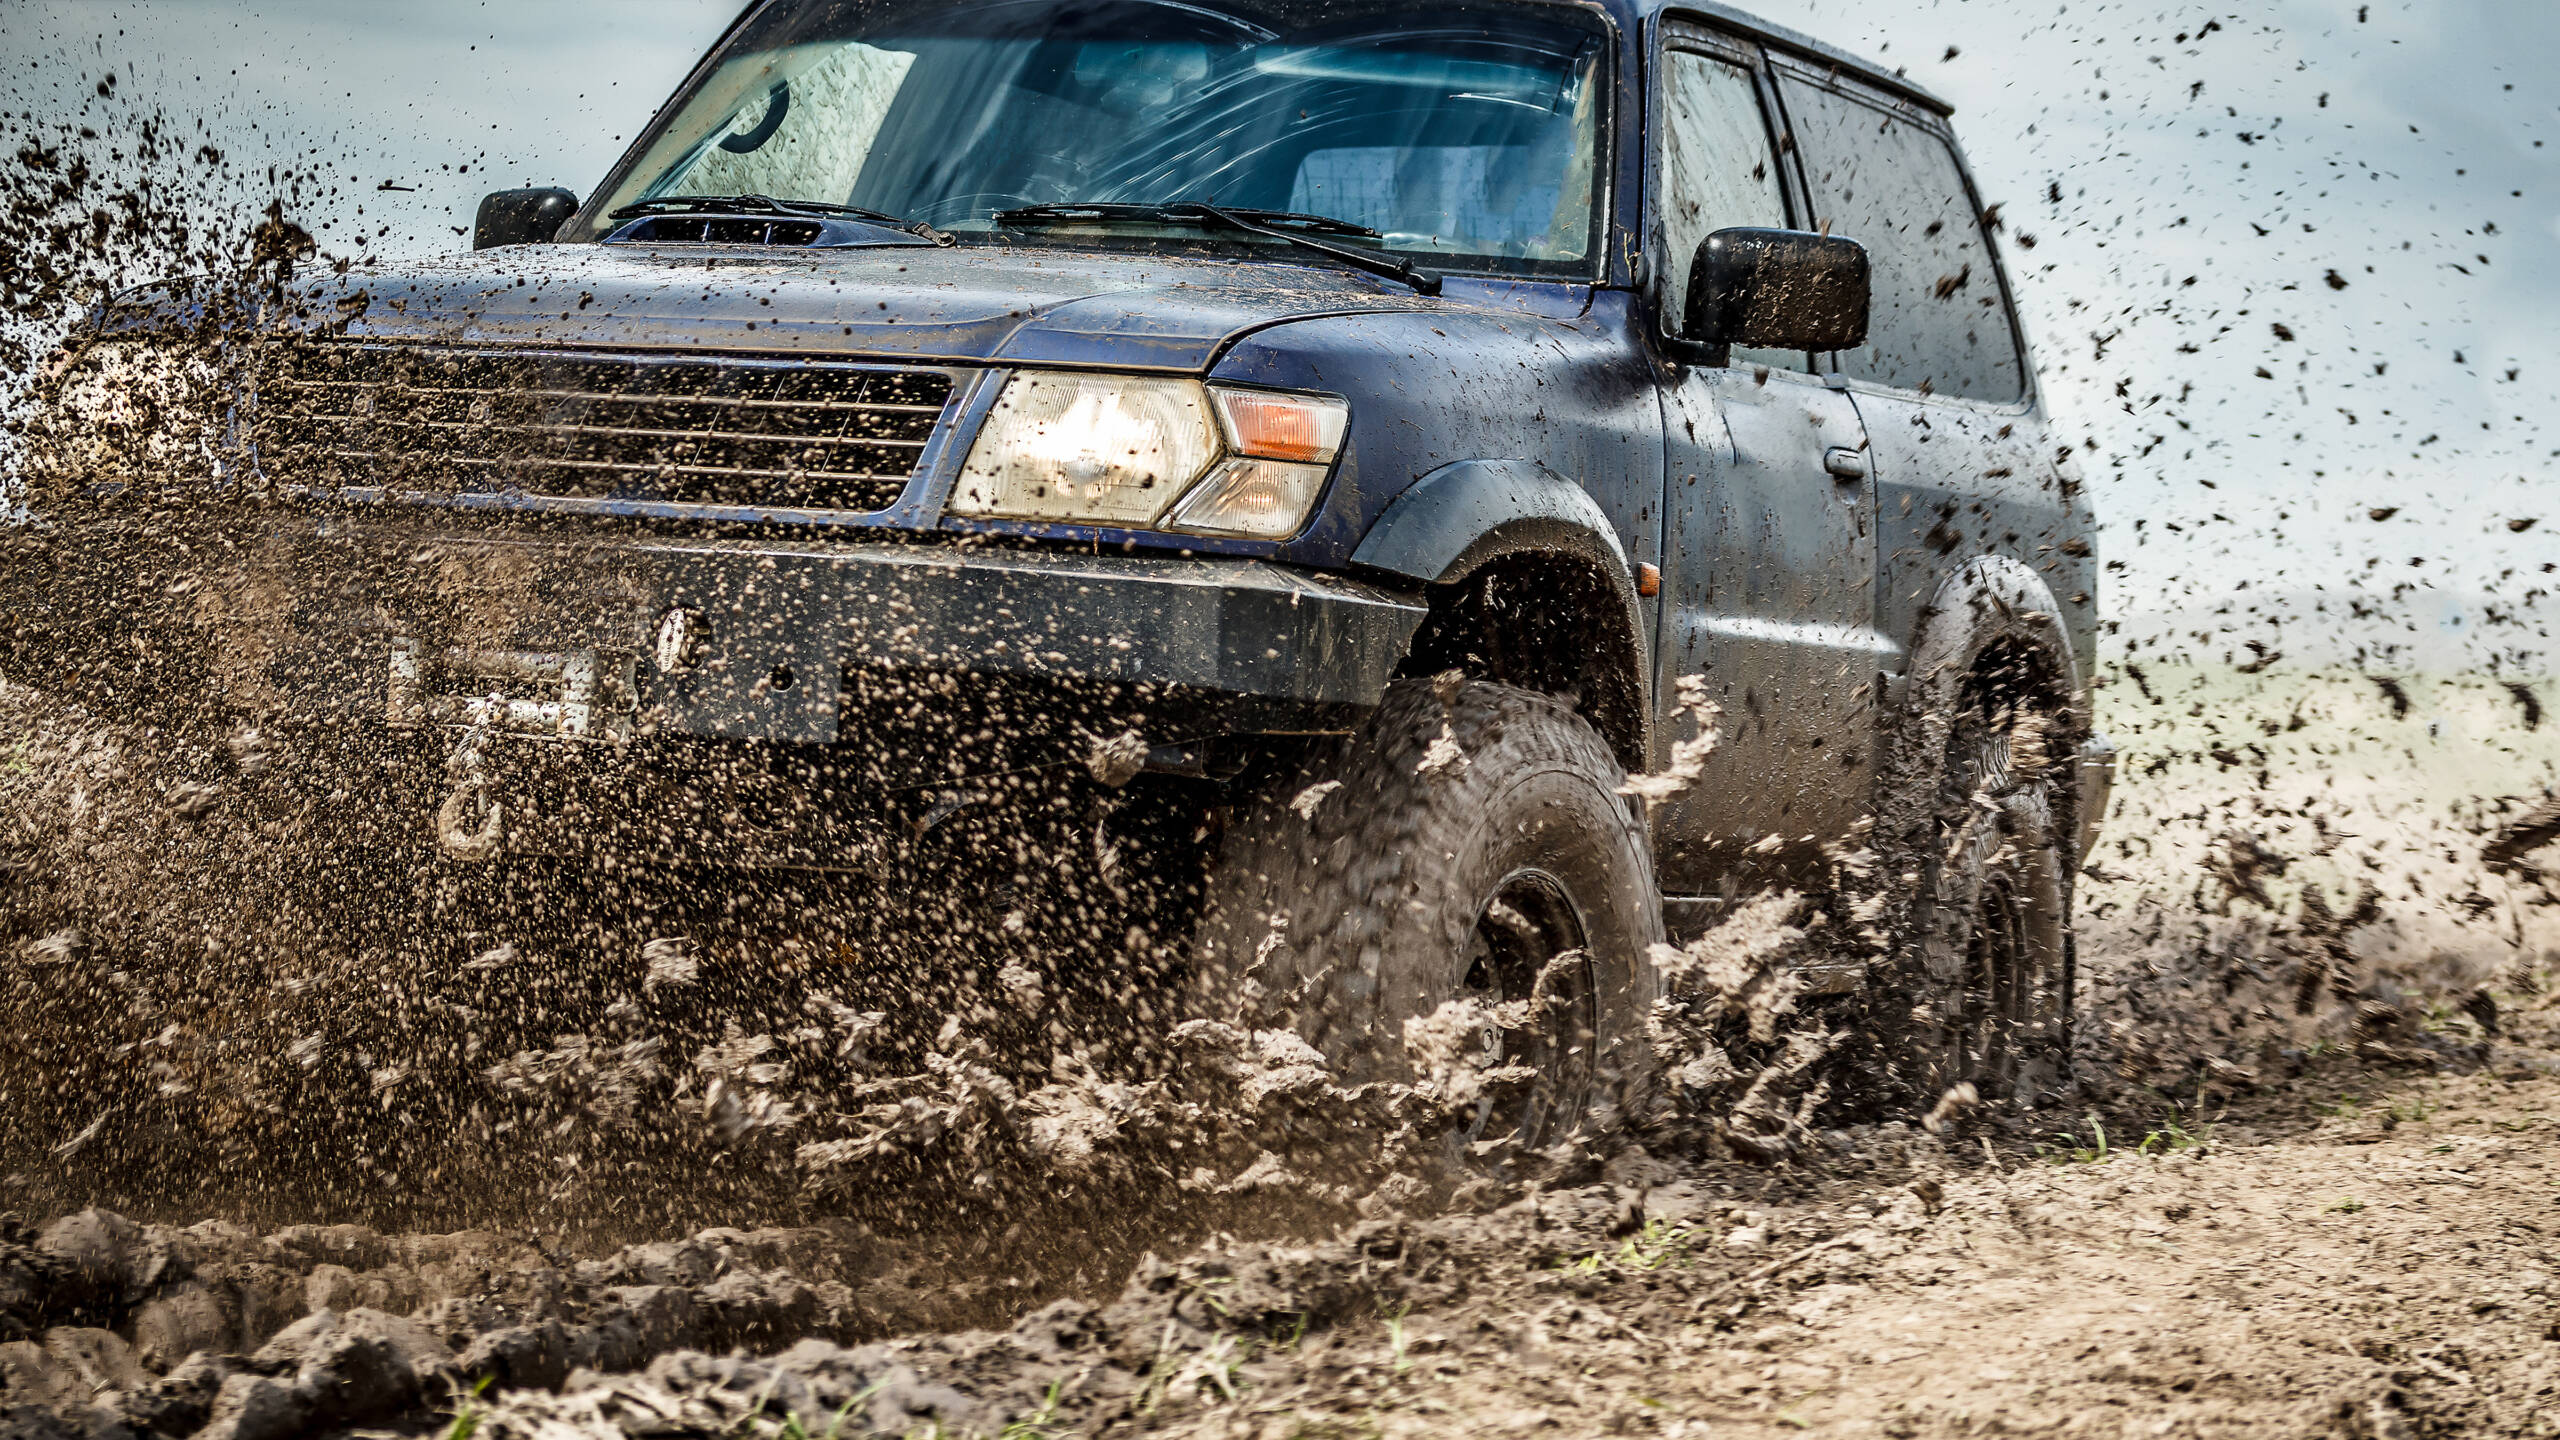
[[1423, 281], [767, 205], [1282, 225], [1177, 214]]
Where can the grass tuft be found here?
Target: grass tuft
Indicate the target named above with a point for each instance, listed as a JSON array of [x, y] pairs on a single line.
[[1658, 1246]]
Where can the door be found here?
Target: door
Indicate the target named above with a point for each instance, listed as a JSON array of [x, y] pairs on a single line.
[[1770, 535], [1961, 464]]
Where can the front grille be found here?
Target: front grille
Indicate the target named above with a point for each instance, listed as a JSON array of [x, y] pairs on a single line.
[[753, 434]]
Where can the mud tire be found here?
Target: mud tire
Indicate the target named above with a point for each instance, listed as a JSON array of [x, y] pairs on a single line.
[[1993, 926], [1377, 907]]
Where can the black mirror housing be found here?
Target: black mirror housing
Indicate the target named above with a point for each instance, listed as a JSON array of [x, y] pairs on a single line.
[[1778, 290], [522, 217]]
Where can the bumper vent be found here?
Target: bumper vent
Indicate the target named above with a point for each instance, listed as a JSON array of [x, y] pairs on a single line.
[[596, 431]]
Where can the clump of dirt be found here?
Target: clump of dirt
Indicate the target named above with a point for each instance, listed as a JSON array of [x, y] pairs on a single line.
[[1728, 993], [172, 1329], [2355, 1249]]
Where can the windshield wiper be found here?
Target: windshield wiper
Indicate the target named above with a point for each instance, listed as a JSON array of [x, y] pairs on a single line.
[[1179, 213], [1282, 225], [767, 205]]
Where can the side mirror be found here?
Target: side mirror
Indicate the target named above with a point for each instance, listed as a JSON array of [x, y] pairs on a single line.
[[522, 217], [1778, 290]]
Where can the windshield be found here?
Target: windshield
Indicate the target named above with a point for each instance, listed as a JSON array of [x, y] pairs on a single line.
[[1467, 138]]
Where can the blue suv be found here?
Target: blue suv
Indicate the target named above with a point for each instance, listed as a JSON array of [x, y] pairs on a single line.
[[1469, 492]]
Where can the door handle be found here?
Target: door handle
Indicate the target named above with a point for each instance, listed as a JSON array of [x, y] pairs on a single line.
[[1845, 463]]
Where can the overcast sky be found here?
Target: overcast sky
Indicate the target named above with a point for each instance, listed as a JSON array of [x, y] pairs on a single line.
[[2221, 173]]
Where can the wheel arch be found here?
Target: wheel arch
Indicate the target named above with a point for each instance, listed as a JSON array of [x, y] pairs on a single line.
[[1529, 585], [1993, 605]]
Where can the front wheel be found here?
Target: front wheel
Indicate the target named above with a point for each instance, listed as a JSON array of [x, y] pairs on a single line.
[[1467, 845]]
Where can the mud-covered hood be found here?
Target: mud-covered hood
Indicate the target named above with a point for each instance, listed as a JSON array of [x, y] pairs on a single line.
[[968, 303]]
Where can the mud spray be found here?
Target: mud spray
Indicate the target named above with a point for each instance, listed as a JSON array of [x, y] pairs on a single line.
[[578, 1148]]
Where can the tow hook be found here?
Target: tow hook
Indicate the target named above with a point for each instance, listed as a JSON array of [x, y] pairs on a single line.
[[470, 824]]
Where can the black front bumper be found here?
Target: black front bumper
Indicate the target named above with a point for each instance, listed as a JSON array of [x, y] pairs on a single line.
[[1255, 646], [350, 622]]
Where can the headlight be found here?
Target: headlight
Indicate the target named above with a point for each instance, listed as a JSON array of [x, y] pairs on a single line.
[[1129, 451], [1105, 449], [127, 412]]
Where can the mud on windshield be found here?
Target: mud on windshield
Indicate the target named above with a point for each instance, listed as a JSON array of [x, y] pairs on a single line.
[[1469, 139]]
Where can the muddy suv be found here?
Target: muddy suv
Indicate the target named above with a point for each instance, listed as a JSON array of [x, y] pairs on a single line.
[[1448, 496]]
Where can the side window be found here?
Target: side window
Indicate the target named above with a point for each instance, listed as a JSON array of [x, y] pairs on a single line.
[[1719, 171], [1939, 322]]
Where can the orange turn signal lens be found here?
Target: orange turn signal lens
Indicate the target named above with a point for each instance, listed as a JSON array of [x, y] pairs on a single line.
[[1267, 426]]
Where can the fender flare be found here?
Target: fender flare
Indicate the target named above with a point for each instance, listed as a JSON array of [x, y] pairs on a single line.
[[1446, 525], [1993, 598], [1467, 514]]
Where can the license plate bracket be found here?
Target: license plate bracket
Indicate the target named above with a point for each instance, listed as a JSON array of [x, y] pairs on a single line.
[[585, 695]]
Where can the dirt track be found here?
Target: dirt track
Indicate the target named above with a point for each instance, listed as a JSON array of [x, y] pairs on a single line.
[[2311, 1274], [2357, 1252]]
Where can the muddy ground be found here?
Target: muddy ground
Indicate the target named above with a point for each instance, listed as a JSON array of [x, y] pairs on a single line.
[[2356, 1250], [2303, 1190]]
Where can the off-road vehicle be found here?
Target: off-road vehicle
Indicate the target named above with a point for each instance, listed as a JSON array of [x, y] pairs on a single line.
[[1325, 452]]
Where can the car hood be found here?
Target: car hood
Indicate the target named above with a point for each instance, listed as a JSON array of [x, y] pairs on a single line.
[[962, 304]]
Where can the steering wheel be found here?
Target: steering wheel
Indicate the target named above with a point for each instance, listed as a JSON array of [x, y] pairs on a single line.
[[777, 104]]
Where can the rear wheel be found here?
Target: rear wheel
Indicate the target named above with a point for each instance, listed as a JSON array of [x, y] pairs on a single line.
[[1994, 929], [1472, 850]]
